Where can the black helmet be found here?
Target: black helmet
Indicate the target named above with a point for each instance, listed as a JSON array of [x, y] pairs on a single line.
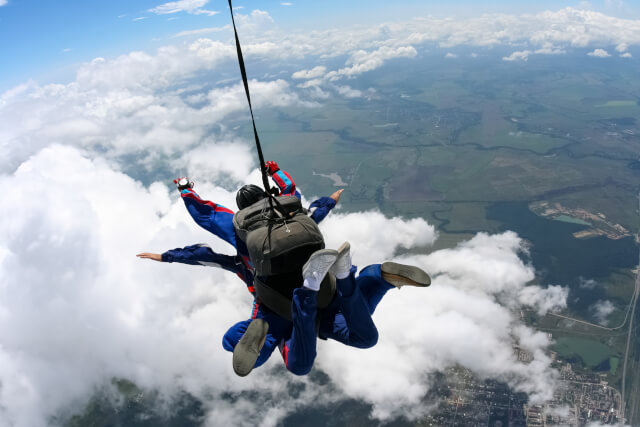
[[248, 195]]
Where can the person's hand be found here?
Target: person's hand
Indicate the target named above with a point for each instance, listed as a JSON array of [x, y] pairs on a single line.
[[149, 255], [336, 196], [271, 167]]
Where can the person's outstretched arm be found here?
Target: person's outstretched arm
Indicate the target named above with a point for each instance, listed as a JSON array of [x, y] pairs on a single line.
[[320, 208], [202, 254], [211, 216]]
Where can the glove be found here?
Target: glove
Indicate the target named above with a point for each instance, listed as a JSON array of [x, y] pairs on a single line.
[[183, 183], [271, 167]]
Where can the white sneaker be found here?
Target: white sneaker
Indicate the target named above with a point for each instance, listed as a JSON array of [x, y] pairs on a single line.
[[317, 266], [342, 266]]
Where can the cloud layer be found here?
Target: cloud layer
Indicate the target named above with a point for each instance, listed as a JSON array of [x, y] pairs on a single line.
[[189, 6], [139, 101], [77, 308]]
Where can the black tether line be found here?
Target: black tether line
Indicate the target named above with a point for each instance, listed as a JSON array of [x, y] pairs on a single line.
[[265, 181]]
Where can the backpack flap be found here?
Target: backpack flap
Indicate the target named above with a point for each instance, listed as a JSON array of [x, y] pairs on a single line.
[[283, 246]]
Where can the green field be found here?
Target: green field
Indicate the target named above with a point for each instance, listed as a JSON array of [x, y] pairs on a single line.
[[463, 140], [590, 351]]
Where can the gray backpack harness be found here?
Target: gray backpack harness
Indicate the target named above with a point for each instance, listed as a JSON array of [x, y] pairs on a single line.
[[280, 237]]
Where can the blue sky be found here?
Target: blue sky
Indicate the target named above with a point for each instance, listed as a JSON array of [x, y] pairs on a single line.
[[46, 41]]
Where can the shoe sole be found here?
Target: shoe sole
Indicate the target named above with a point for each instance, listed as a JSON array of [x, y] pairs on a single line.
[[248, 348], [318, 254], [344, 248], [401, 274]]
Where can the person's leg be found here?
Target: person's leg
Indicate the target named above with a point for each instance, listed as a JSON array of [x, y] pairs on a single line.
[[299, 351], [213, 217], [348, 319], [277, 330], [372, 286], [375, 280]]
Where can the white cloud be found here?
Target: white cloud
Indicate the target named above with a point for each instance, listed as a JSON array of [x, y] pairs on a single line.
[[124, 106], [469, 323], [349, 92], [200, 31], [622, 47], [311, 83], [599, 53], [190, 6], [377, 237], [587, 283], [601, 311], [518, 56], [450, 55], [626, 55], [552, 298], [363, 61], [256, 24], [138, 19], [89, 311], [550, 49], [313, 73], [286, 3], [4, 2]]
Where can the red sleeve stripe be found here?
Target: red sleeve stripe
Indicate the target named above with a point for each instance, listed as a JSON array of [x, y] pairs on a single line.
[[285, 354], [217, 208]]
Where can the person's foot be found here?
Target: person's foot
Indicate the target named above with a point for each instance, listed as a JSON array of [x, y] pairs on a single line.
[[400, 275], [342, 266], [247, 350], [317, 266], [183, 183]]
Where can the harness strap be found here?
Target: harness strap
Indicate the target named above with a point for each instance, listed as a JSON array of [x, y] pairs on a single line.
[[272, 299], [281, 305], [243, 72]]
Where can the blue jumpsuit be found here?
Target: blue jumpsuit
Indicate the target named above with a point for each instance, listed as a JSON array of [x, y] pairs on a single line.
[[218, 220], [347, 319]]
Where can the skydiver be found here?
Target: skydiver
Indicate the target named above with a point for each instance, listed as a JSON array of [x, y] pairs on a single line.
[[258, 336], [347, 319], [218, 220]]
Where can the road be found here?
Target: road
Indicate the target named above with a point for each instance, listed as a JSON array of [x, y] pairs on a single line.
[[635, 386]]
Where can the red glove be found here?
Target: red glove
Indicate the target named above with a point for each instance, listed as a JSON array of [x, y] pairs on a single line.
[[271, 167]]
